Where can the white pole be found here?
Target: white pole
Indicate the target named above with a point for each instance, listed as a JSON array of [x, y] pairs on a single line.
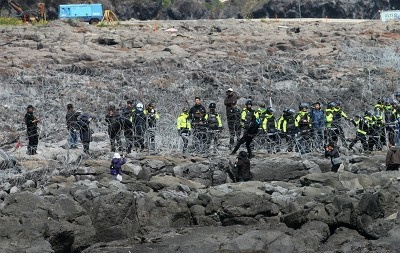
[[300, 10]]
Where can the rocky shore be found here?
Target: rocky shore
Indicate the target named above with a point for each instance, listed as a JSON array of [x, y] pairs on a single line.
[[63, 200]]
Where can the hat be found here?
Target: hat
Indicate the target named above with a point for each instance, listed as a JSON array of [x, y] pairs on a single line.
[[242, 154], [230, 89], [29, 106], [117, 155]]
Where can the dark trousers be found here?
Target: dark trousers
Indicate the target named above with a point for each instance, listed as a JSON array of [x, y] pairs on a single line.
[[115, 138], [245, 139], [393, 167], [360, 137], [128, 134], [235, 129], [33, 141], [184, 133]]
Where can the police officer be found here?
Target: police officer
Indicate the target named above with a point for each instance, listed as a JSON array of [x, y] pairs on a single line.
[[152, 117], [247, 113], [303, 123], [139, 125], [214, 125], [269, 126], [287, 125], [362, 125], [184, 127]]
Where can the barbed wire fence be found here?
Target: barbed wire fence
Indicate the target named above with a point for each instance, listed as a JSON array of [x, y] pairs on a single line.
[[285, 81]]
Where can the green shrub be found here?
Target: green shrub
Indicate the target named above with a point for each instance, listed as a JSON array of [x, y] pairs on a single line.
[[10, 21], [166, 3]]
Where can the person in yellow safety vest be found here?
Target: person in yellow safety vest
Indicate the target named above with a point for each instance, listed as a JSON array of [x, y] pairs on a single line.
[[247, 113], [214, 124], [377, 136], [261, 111], [363, 125], [184, 127], [333, 120], [269, 127], [303, 123], [390, 119], [286, 124], [152, 117]]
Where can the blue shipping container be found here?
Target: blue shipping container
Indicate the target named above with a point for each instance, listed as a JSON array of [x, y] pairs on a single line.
[[91, 13]]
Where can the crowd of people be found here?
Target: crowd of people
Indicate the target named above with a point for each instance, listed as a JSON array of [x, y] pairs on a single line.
[[303, 130]]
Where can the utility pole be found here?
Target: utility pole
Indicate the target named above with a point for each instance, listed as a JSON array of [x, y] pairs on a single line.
[[300, 9]]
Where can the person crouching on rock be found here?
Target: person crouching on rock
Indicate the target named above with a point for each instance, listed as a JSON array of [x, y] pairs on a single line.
[[240, 170], [393, 157], [116, 164], [332, 152]]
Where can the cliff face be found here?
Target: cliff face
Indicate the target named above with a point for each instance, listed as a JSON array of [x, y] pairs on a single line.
[[204, 9]]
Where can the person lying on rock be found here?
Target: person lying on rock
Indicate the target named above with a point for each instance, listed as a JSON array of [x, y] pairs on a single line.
[[116, 164], [333, 152], [240, 170]]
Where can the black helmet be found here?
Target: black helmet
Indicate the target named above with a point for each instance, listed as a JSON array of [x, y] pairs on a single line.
[[368, 113], [288, 112], [212, 105], [185, 109], [270, 110], [249, 102], [397, 93], [303, 106], [338, 103], [332, 104], [262, 104]]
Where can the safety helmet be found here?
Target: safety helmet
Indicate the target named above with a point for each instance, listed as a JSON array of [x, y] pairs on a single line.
[[249, 102], [270, 110], [332, 104], [338, 103], [139, 106], [151, 104], [117, 155], [212, 106], [368, 113], [397, 93], [185, 109], [303, 106], [386, 101], [288, 112]]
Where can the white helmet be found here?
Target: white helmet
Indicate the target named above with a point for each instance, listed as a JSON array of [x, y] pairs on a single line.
[[139, 106], [117, 155]]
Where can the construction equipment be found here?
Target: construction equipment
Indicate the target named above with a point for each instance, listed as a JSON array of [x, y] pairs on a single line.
[[91, 13], [109, 17], [16, 9]]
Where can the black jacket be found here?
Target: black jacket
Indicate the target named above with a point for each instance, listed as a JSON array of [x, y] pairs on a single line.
[[139, 122], [84, 128], [196, 108], [31, 127], [114, 123]]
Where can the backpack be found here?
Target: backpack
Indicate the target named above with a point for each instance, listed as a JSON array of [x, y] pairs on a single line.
[[113, 171]]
